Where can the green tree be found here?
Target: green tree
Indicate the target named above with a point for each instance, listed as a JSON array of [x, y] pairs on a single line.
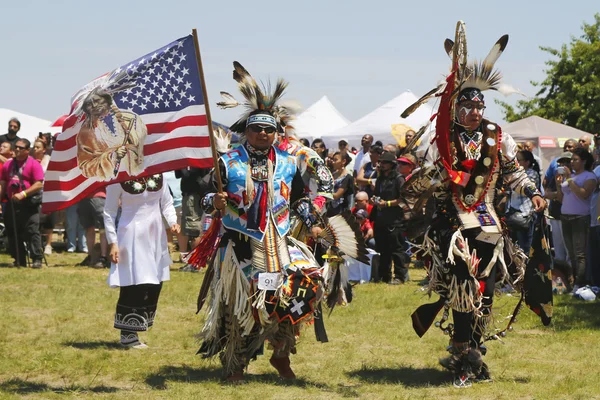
[[570, 94]]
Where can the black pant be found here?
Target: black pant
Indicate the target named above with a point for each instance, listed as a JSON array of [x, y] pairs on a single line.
[[136, 307], [390, 244], [25, 219]]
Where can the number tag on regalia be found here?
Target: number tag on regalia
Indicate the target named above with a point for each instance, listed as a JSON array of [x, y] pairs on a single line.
[[269, 280]]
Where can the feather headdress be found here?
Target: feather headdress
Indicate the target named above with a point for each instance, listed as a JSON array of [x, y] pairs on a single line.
[[108, 84], [474, 75], [258, 97], [482, 75]]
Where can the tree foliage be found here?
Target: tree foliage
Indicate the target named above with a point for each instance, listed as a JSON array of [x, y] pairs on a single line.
[[570, 94]]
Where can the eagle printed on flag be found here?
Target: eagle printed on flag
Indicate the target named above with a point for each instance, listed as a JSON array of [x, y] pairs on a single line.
[[145, 117]]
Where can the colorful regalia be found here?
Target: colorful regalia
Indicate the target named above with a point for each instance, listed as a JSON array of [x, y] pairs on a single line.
[[263, 283], [450, 207]]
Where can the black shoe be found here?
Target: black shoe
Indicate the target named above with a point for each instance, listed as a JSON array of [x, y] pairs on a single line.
[[37, 264], [85, 262], [484, 375], [101, 263]]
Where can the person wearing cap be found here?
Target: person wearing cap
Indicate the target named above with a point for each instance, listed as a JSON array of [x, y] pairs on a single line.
[[366, 227], [472, 251], [406, 164], [387, 217]]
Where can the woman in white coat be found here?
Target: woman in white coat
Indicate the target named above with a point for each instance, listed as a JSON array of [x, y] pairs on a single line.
[[138, 250]]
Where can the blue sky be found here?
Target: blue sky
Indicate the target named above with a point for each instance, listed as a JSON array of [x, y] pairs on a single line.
[[360, 54]]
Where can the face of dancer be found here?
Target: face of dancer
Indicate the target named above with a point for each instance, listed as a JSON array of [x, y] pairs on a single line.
[[470, 113], [260, 137]]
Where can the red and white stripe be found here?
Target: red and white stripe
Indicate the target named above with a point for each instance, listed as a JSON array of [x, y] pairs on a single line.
[[175, 140]]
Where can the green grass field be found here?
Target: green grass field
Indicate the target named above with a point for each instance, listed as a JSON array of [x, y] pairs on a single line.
[[57, 341]]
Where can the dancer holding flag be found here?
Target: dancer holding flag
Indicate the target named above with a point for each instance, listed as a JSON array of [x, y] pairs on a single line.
[[266, 284]]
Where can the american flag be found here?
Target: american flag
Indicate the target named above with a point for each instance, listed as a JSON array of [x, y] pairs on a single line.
[[164, 89]]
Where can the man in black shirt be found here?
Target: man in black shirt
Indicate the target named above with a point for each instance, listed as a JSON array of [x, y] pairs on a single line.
[[387, 216], [14, 126], [194, 185]]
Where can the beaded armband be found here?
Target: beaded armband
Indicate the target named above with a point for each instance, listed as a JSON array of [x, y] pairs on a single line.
[[207, 203]]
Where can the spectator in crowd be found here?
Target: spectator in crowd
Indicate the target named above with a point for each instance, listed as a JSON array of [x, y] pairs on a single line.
[[6, 152], [48, 140], [343, 185], [319, 146], [304, 142], [596, 152], [14, 126], [387, 217], [406, 164], [75, 232], [550, 174], [531, 146], [593, 252], [520, 216], [366, 228], [585, 141], [550, 192], [39, 153], [194, 185], [574, 191], [174, 187], [91, 216], [408, 136], [392, 148], [361, 202], [345, 149], [364, 155], [47, 221], [367, 175], [138, 251], [21, 181]]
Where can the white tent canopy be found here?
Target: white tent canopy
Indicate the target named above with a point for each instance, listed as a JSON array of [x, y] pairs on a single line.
[[379, 122], [320, 118], [30, 126]]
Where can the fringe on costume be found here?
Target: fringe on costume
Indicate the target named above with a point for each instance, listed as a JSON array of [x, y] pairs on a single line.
[[229, 314]]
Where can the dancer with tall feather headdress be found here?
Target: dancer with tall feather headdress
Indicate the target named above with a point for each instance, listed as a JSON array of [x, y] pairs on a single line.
[[264, 283], [465, 241]]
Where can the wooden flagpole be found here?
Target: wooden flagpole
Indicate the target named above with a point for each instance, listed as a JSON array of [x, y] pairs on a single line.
[[211, 134]]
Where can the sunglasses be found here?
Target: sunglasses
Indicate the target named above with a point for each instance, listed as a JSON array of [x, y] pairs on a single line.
[[21, 148], [318, 147], [258, 129]]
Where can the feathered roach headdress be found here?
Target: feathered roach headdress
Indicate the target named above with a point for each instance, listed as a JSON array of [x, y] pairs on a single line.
[[470, 79], [259, 98]]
